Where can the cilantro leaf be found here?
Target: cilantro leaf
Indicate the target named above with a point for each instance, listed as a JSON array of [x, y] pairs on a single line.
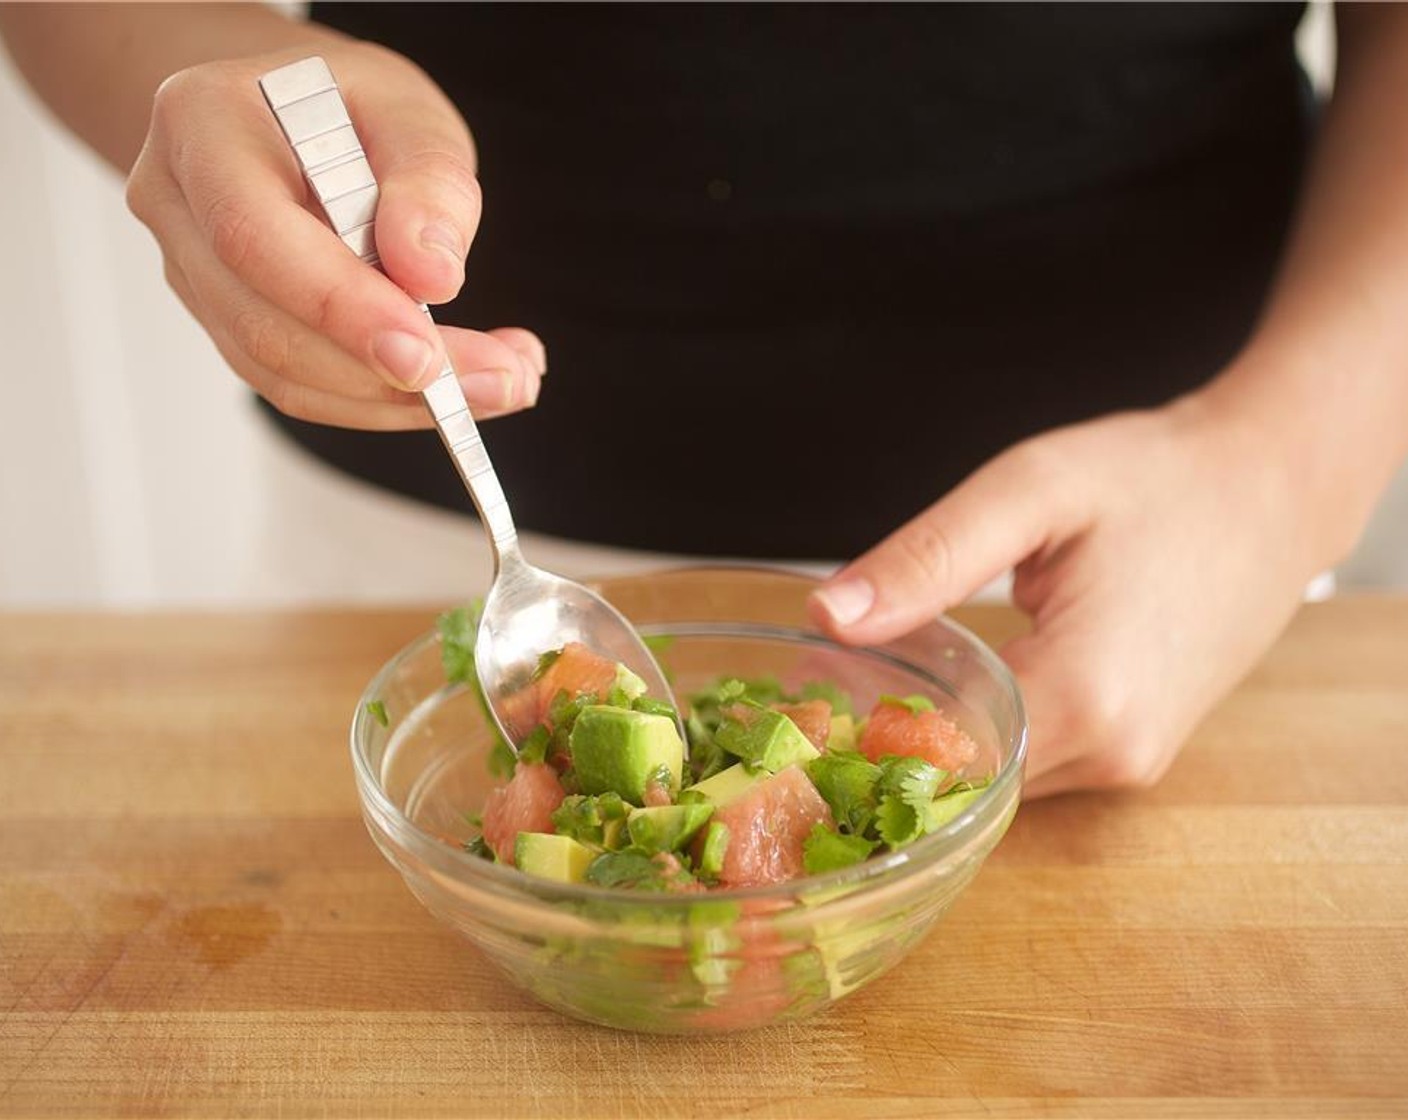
[[706, 757], [847, 783], [744, 731], [914, 780], [563, 711], [458, 628], [827, 850], [897, 822], [635, 870], [377, 710], [915, 704]]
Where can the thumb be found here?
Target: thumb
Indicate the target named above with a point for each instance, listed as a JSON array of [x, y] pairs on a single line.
[[429, 203], [1005, 511]]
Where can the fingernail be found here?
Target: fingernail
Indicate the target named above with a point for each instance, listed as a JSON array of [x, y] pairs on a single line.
[[444, 238], [846, 601], [408, 358], [531, 387]]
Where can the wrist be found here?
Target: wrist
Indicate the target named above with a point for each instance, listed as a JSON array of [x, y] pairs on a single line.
[[1306, 458]]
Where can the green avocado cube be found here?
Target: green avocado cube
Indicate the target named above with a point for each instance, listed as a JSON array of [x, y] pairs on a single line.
[[768, 739], [628, 683], [614, 749], [727, 785], [667, 828], [550, 856], [843, 733]]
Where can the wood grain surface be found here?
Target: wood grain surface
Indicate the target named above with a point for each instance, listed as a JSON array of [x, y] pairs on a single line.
[[193, 921]]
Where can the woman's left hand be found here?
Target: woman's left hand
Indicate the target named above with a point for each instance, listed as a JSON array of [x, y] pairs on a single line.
[[1157, 553]]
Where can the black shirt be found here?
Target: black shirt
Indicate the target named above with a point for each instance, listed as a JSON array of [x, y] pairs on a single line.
[[801, 268]]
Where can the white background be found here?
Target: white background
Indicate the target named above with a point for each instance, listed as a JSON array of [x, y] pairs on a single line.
[[134, 471]]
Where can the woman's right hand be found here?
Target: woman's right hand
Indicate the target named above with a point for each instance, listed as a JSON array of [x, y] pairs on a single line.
[[311, 328]]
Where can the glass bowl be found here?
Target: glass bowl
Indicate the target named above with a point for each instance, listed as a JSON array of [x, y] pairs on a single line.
[[687, 963]]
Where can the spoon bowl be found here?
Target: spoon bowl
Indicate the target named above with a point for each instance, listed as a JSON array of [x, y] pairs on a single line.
[[530, 611]]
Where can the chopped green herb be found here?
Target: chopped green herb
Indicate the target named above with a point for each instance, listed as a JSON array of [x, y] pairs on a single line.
[[633, 870], [740, 732], [706, 757], [914, 780], [535, 748], [827, 850], [847, 782], [502, 760], [479, 847], [545, 662], [664, 779], [564, 709], [458, 628], [666, 828], [653, 707], [658, 643], [897, 822], [588, 819], [377, 710], [457, 632]]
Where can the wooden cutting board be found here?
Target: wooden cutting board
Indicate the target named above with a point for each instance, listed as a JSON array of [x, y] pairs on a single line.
[[193, 921]]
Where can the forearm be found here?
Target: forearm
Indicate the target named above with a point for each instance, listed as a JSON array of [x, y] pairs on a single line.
[[1325, 375], [97, 65]]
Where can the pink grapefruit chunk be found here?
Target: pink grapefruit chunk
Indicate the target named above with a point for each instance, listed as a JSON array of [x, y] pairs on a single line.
[[576, 671], [894, 729], [526, 804], [767, 826]]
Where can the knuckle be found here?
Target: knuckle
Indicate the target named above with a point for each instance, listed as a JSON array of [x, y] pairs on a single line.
[[325, 313], [926, 549], [232, 230], [173, 97], [1129, 763], [138, 192], [454, 175], [1121, 755], [261, 338]]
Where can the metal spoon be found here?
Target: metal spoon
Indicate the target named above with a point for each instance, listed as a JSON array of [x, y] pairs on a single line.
[[528, 611]]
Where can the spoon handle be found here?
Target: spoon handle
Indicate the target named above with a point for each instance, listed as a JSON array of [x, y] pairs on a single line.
[[311, 112]]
